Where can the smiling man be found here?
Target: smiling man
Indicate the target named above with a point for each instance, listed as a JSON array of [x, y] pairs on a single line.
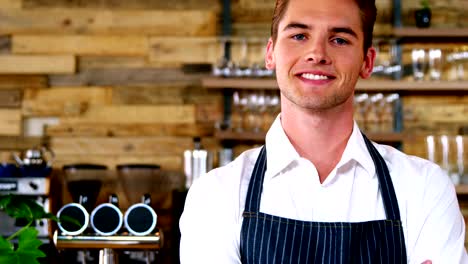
[[319, 191]]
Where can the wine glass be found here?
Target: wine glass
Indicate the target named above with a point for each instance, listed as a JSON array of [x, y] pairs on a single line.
[[419, 63]]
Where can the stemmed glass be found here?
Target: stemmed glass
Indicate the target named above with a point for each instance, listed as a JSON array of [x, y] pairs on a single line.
[[460, 158], [272, 108], [419, 63], [435, 64], [224, 67], [243, 68]]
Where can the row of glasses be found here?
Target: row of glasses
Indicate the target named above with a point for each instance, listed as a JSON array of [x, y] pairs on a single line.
[[431, 63], [450, 152], [254, 111], [458, 60], [376, 113], [427, 62], [241, 57], [386, 62]]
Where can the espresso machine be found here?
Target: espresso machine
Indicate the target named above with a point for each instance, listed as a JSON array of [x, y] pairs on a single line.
[[102, 232], [29, 177]]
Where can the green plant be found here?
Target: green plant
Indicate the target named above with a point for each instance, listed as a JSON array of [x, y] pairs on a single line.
[[27, 249], [425, 4]]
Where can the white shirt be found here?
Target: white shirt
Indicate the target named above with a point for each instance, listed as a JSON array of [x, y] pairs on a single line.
[[433, 226]]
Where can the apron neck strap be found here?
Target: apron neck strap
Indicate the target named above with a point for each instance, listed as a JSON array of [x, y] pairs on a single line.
[[254, 193]]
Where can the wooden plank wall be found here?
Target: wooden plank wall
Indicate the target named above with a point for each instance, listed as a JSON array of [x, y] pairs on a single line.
[[112, 72]]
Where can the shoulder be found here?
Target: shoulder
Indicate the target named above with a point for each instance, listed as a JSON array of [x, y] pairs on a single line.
[[415, 178]]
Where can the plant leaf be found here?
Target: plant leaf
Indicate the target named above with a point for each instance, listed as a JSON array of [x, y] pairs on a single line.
[[70, 220], [4, 201], [24, 207], [17, 207], [28, 246], [7, 254]]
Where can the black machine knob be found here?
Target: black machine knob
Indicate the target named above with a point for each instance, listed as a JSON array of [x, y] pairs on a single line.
[[33, 185]]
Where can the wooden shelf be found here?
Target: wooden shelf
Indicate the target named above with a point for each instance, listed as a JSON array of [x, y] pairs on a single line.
[[239, 83], [241, 136], [431, 32], [462, 189], [362, 86], [423, 86], [260, 136]]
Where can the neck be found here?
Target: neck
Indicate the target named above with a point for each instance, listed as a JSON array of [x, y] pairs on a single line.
[[320, 137]]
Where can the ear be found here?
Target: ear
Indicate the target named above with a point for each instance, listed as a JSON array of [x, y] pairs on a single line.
[[269, 56], [368, 63]]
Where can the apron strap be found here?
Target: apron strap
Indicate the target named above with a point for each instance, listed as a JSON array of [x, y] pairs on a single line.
[[387, 190], [385, 182], [254, 193]]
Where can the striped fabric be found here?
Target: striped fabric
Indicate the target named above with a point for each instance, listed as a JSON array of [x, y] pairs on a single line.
[[272, 239]]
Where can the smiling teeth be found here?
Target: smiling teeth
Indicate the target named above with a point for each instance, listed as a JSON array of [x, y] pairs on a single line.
[[311, 76]]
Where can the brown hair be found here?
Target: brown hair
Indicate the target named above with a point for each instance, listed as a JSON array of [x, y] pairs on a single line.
[[368, 12]]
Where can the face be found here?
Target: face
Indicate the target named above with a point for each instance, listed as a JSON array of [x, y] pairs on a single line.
[[318, 55]]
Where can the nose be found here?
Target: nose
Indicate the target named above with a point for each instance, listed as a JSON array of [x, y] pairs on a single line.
[[317, 53]]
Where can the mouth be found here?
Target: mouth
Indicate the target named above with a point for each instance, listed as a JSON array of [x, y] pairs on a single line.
[[316, 77]]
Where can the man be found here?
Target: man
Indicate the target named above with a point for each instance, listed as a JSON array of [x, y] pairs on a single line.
[[320, 191]]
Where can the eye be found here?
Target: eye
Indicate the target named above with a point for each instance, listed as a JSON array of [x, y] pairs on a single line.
[[299, 37], [340, 41]]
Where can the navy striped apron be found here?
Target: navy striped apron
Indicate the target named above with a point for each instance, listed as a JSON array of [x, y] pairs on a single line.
[[272, 239]]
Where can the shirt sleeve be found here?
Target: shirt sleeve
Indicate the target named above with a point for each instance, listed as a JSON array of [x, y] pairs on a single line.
[[209, 233], [442, 234]]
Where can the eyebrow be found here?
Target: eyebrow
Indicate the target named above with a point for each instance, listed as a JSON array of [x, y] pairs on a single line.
[[295, 25], [346, 30]]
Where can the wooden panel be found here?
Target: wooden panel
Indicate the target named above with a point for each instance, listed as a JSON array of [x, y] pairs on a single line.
[[434, 113], [156, 95], [205, 50], [80, 45], [65, 129], [125, 77], [166, 94], [173, 162], [262, 14], [20, 143], [184, 50], [158, 22], [210, 113], [251, 29], [10, 122], [428, 100], [104, 62], [10, 4], [10, 98], [35, 64], [136, 114], [5, 45], [256, 4], [64, 101], [124, 4], [120, 145], [440, 113], [13, 81]]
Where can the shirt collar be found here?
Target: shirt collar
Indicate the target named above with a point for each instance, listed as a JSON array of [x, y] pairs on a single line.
[[281, 153], [356, 150]]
